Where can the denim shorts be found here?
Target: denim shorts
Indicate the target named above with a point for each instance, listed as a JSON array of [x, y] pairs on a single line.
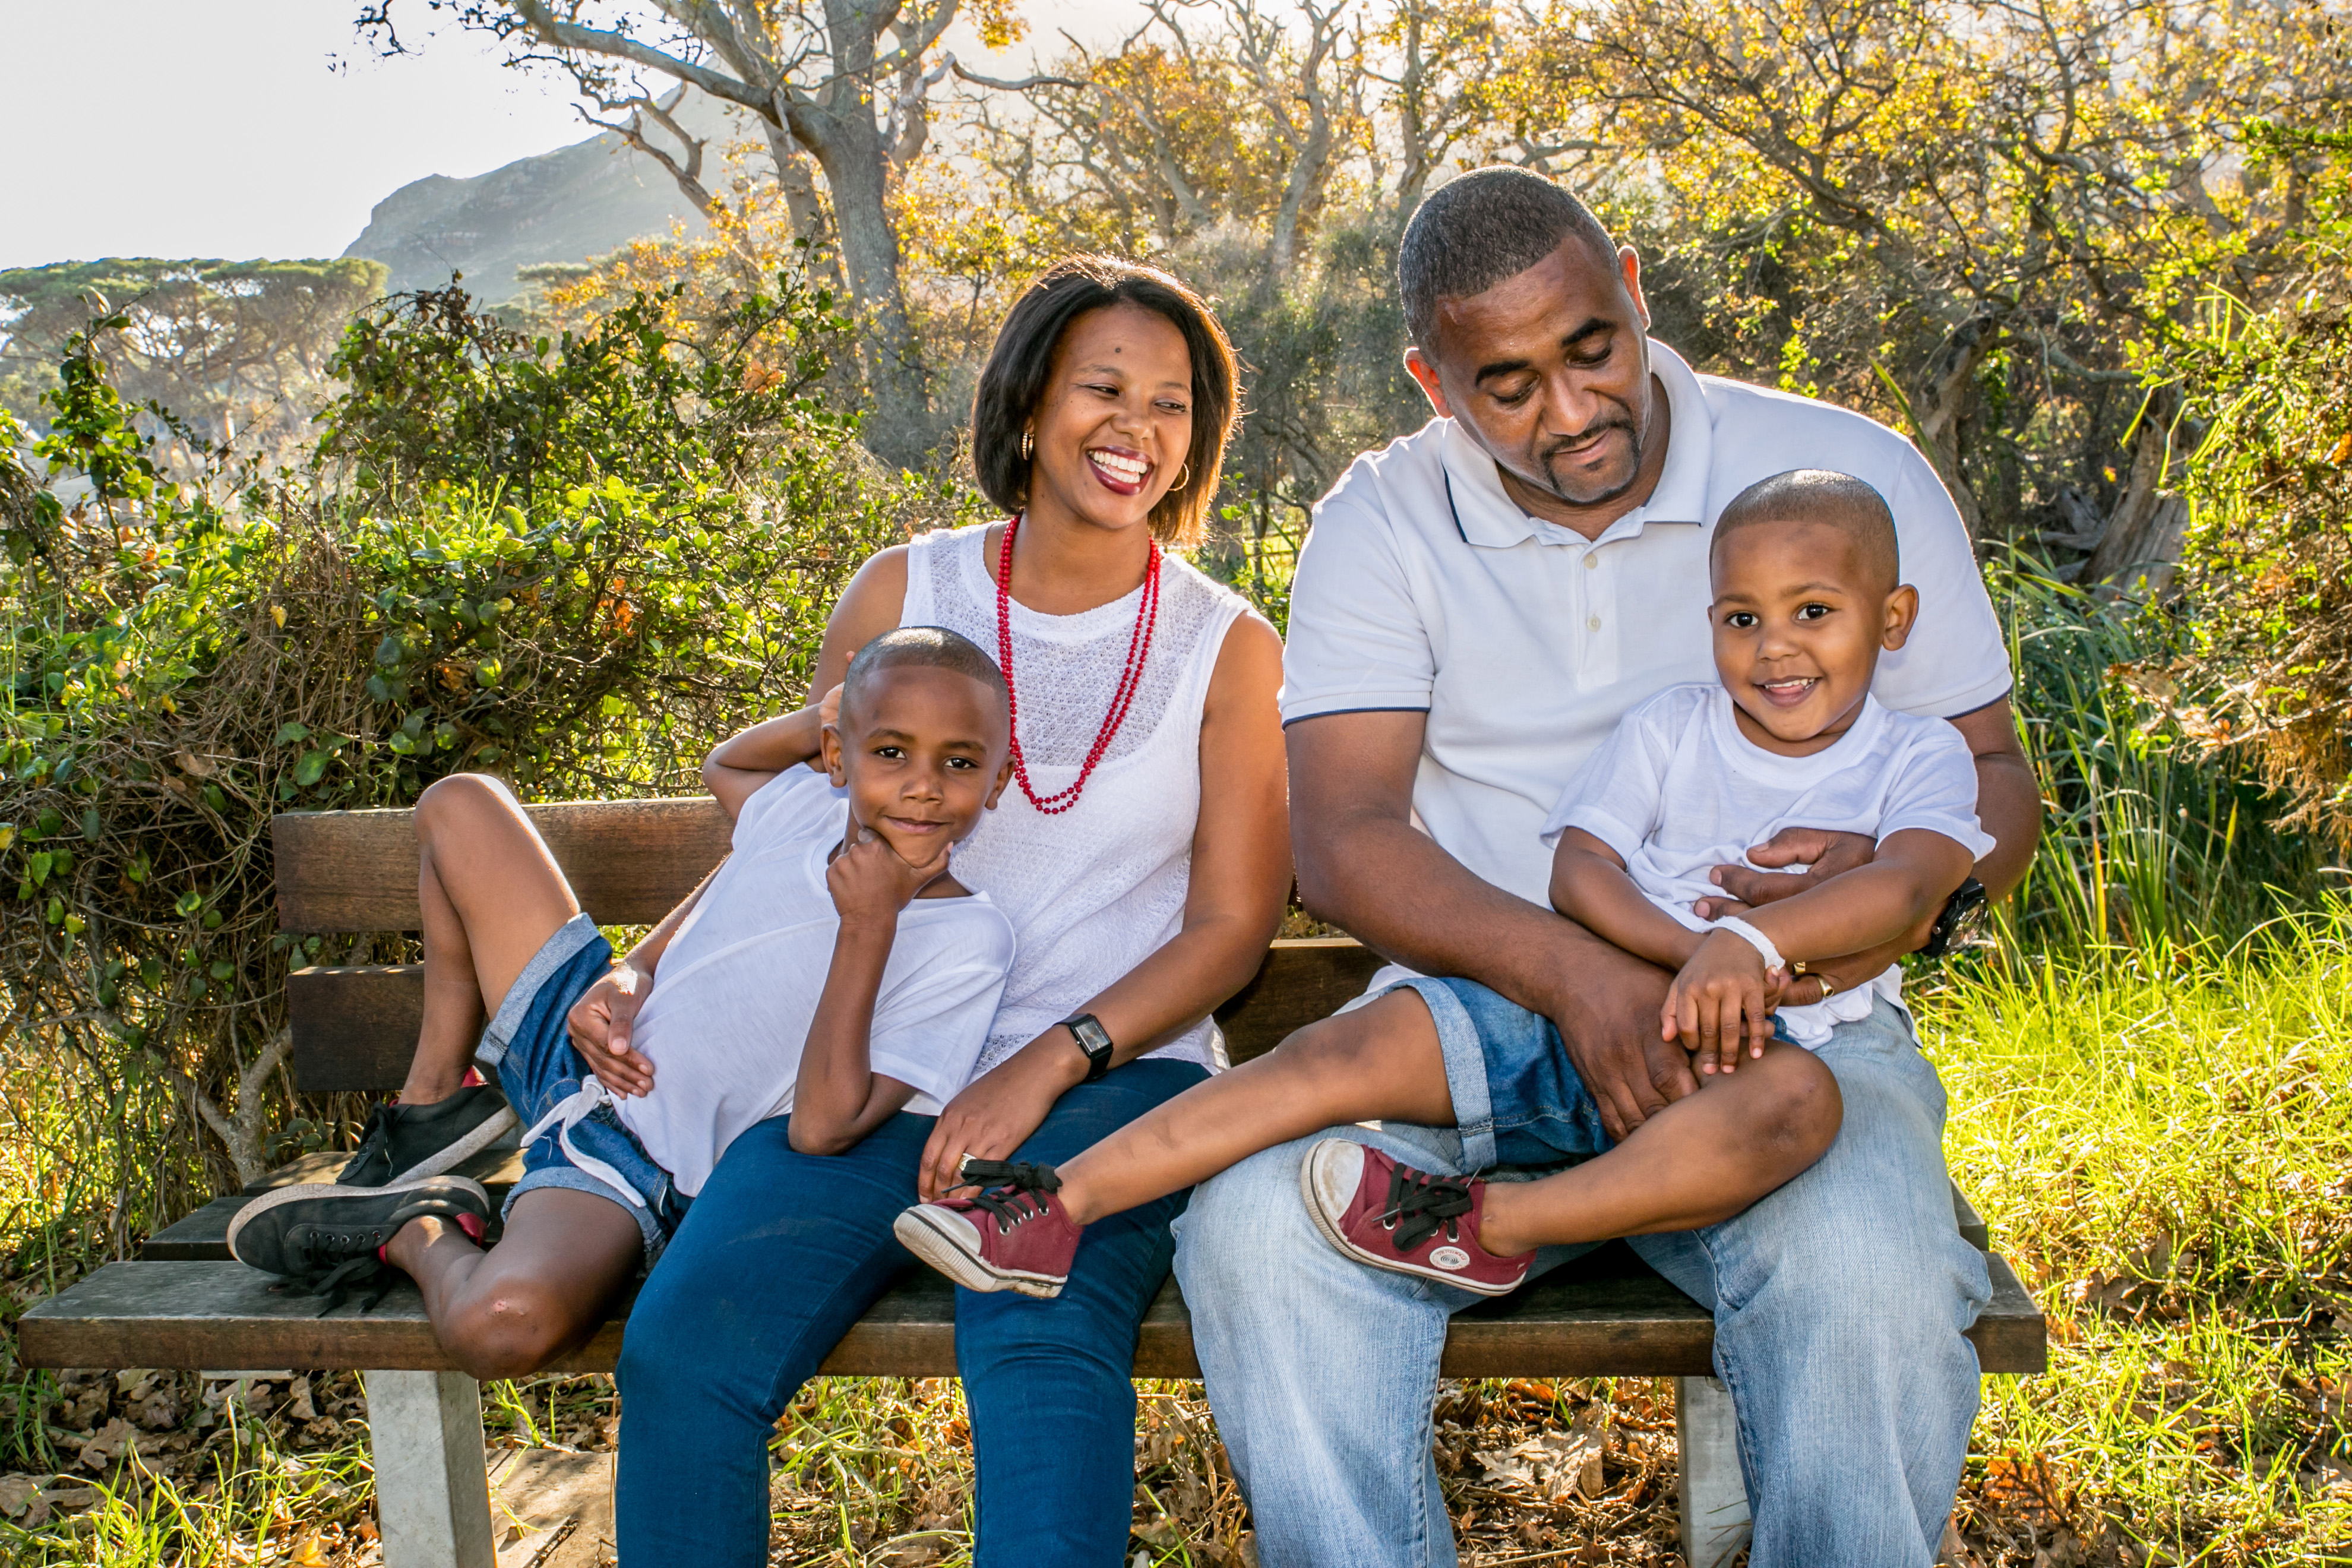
[[573, 1137], [1517, 1099]]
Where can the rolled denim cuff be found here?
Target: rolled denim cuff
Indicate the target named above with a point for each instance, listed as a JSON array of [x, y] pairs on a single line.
[[553, 954], [1465, 1070]]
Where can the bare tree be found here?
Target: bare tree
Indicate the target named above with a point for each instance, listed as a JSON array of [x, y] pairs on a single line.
[[844, 82]]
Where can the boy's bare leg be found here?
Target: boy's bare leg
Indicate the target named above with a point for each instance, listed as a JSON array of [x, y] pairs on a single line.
[[1699, 1162], [491, 895], [542, 1290], [1381, 1061]]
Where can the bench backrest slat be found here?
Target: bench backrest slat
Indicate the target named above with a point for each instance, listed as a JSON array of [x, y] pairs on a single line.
[[630, 861]]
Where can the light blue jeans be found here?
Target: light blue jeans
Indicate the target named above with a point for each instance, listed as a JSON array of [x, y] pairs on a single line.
[[1841, 1303]]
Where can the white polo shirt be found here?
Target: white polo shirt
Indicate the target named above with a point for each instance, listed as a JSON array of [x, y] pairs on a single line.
[[1422, 586]]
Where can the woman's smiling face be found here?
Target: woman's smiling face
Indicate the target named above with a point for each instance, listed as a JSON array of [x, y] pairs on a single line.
[[1115, 423]]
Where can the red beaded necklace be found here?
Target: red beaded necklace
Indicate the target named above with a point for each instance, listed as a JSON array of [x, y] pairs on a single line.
[[1139, 648]]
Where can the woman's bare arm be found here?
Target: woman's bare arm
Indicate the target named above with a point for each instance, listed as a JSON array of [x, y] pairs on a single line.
[[1240, 878], [869, 607]]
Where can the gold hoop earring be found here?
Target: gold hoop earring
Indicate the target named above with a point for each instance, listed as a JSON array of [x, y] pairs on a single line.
[[1028, 445], [1183, 478]]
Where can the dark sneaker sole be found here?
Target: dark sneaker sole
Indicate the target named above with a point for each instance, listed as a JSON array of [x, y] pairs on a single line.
[[444, 1159], [1329, 1226], [281, 1196], [918, 1235]]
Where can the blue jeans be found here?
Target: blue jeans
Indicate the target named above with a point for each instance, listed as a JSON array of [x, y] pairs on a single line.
[[1841, 1303], [529, 1046], [782, 1252]]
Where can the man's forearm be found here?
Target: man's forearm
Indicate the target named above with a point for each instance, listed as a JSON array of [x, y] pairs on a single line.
[[1453, 923], [2008, 806]]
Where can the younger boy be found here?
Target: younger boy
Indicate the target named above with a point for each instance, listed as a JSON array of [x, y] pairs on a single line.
[[1807, 593], [831, 968]]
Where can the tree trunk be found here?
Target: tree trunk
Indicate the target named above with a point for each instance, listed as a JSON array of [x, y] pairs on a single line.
[[847, 146], [1941, 397], [2142, 540]]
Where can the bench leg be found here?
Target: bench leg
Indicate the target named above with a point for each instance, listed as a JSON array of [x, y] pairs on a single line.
[[1715, 1498], [432, 1486]]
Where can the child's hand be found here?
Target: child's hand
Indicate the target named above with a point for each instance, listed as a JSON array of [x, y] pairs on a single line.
[[1719, 1002], [828, 714], [602, 1024], [871, 883]]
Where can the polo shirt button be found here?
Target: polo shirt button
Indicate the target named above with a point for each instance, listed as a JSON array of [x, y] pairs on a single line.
[[1591, 561], [1594, 625]]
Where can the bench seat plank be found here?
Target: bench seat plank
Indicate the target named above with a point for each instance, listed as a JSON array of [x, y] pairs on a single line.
[[1607, 1316]]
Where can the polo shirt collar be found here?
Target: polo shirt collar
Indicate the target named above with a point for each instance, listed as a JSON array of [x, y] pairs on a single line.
[[1486, 516]]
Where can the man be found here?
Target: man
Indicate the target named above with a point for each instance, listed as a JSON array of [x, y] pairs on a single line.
[[1476, 607]]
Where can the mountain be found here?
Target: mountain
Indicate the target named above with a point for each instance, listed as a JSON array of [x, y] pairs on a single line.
[[566, 206]]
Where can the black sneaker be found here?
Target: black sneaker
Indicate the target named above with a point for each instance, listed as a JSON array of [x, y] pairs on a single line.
[[328, 1240], [405, 1143]]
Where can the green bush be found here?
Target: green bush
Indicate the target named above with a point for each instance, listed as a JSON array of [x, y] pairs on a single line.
[[572, 564]]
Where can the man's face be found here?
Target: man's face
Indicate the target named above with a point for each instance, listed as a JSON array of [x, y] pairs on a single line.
[[922, 752], [1551, 372]]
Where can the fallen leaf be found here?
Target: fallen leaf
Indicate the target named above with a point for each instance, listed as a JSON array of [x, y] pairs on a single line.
[[17, 1494]]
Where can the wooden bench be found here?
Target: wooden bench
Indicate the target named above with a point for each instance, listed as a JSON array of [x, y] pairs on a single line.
[[185, 1304]]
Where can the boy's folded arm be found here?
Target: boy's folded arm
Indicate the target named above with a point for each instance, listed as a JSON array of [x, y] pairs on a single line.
[[1914, 870], [1590, 886], [839, 1098], [739, 766]]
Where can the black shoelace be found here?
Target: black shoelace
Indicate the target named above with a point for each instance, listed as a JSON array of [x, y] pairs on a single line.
[[376, 1142], [1011, 1189], [1419, 1204], [338, 1264]]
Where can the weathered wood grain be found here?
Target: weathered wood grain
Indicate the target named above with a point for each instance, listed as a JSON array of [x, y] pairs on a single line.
[[1300, 982], [1604, 1316], [629, 861]]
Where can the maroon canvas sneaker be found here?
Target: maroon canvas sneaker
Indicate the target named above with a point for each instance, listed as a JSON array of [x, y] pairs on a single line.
[[1393, 1216], [1011, 1235]]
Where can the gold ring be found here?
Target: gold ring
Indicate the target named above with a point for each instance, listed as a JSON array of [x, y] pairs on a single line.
[[1828, 989]]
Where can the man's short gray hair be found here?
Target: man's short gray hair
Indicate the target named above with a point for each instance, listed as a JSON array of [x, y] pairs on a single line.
[[1479, 230]]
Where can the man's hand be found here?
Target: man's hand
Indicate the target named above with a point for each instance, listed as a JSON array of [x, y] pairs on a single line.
[[1606, 1010], [997, 1111], [871, 882], [1824, 854], [1721, 1000], [600, 1024]]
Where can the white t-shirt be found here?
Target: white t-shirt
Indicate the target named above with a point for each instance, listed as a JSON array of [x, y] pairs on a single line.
[[733, 995], [1424, 587], [1678, 790]]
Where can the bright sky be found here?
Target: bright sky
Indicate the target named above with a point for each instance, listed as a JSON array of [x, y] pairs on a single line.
[[261, 128]]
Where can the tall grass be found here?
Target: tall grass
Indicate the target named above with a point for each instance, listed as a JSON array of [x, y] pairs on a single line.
[[2146, 838]]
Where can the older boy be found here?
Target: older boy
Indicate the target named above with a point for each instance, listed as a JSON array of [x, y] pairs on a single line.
[[830, 969]]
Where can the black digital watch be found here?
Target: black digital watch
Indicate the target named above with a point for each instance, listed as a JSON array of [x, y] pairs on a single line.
[[1093, 1039], [1966, 900]]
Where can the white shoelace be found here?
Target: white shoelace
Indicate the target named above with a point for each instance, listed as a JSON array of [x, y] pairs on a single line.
[[568, 1113]]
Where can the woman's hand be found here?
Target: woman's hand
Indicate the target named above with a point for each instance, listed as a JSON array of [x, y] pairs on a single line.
[[997, 1111], [602, 1023]]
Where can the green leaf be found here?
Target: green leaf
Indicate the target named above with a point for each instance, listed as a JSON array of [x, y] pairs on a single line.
[[56, 913], [290, 733], [92, 824], [188, 904], [39, 864], [310, 769]]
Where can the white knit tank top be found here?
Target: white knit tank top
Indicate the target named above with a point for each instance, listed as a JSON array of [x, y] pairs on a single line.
[[1094, 891]]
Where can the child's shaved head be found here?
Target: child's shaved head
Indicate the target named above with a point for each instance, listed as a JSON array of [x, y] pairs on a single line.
[[1819, 495], [930, 647]]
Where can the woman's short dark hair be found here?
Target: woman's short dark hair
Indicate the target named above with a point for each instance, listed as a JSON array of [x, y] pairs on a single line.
[[1013, 381]]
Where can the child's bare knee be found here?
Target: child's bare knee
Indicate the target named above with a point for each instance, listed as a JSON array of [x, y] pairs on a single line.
[[511, 1332], [1799, 1113], [457, 797]]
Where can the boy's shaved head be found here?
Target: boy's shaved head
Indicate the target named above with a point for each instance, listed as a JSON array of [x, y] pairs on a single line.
[[1821, 495], [930, 647]]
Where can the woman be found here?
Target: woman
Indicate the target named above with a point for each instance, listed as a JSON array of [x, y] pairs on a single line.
[[1143, 856]]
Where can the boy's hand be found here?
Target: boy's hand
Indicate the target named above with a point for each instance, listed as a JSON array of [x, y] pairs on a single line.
[[600, 1024], [828, 714], [1720, 1002], [870, 882]]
